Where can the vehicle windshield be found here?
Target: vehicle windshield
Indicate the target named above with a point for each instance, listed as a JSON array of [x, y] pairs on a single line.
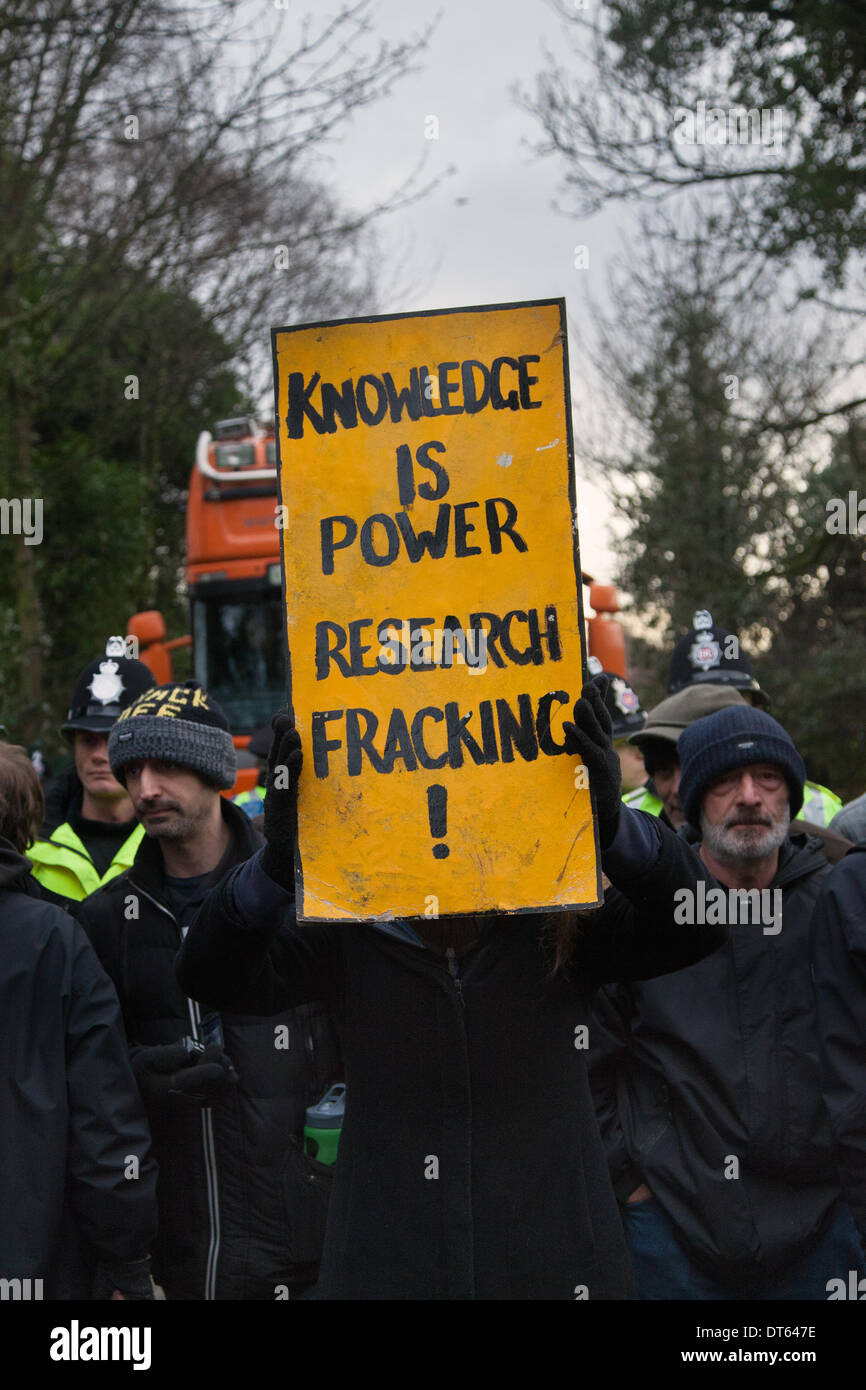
[[239, 656]]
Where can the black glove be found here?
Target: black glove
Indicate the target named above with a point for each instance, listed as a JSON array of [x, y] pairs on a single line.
[[129, 1277], [173, 1070], [590, 738], [281, 803]]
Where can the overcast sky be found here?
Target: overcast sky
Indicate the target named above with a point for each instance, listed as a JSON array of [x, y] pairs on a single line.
[[488, 233]]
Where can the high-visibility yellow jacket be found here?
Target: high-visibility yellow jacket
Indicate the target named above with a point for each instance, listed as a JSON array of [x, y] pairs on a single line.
[[62, 865], [819, 804], [252, 803], [642, 800]]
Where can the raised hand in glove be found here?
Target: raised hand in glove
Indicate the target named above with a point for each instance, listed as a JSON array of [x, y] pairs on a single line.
[[172, 1070], [281, 803], [590, 737]]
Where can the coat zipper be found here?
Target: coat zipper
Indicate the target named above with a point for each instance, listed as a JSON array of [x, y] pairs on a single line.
[[208, 1145], [455, 974]]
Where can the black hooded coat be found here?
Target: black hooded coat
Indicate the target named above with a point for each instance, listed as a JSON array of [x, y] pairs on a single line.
[[839, 969], [720, 1062], [70, 1115], [470, 1164]]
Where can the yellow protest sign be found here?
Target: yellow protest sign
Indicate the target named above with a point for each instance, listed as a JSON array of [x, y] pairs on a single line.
[[434, 612]]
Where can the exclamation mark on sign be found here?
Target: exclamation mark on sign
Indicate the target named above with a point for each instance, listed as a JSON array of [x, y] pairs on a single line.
[[437, 814]]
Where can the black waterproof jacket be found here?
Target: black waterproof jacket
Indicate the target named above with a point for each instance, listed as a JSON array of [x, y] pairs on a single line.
[[470, 1164], [241, 1209], [839, 956], [72, 1126], [708, 1089]]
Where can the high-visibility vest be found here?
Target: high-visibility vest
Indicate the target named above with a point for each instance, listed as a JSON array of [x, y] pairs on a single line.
[[642, 800], [819, 804], [252, 803], [62, 864]]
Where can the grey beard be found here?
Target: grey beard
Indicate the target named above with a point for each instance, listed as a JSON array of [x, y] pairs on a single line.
[[727, 844]]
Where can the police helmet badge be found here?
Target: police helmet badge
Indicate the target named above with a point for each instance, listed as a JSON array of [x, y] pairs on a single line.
[[705, 653], [624, 697], [107, 685]]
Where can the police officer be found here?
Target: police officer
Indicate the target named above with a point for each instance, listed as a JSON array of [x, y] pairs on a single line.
[[709, 654], [90, 832]]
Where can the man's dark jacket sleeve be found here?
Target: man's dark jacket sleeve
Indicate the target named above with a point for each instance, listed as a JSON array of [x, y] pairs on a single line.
[[635, 935], [839, 966], [245, 951]]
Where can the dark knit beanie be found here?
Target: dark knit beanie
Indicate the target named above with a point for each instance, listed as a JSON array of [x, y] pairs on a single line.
[[729, 739], [175, 724]]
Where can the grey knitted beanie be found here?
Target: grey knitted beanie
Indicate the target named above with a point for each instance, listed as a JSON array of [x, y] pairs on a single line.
[[175, 724]]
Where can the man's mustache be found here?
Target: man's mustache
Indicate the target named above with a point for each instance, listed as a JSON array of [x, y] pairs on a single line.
[[748, 818]]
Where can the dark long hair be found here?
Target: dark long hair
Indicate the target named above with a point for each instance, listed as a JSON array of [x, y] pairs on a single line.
[[21, 802], [561, 936]]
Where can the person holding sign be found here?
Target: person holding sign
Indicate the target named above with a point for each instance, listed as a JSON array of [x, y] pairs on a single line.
[[434, 614], [470, 1163]]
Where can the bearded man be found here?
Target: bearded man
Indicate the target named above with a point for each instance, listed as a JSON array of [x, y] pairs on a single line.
[[707, 1081]]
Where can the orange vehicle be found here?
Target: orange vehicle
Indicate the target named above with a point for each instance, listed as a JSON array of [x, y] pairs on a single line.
[[233, 575], [233, 572]]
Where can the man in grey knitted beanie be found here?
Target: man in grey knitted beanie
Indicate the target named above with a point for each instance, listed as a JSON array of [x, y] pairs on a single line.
[[226, 1102]]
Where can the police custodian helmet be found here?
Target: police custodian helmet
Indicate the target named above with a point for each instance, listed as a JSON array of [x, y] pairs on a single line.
[[711, 654], [104, 688], [621, 703]]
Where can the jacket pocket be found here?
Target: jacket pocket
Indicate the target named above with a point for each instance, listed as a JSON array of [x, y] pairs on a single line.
[[306, 1185], [650, 1119], [652, 1137]]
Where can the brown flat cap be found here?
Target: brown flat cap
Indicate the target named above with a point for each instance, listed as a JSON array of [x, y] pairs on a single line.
[[668, 719]]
